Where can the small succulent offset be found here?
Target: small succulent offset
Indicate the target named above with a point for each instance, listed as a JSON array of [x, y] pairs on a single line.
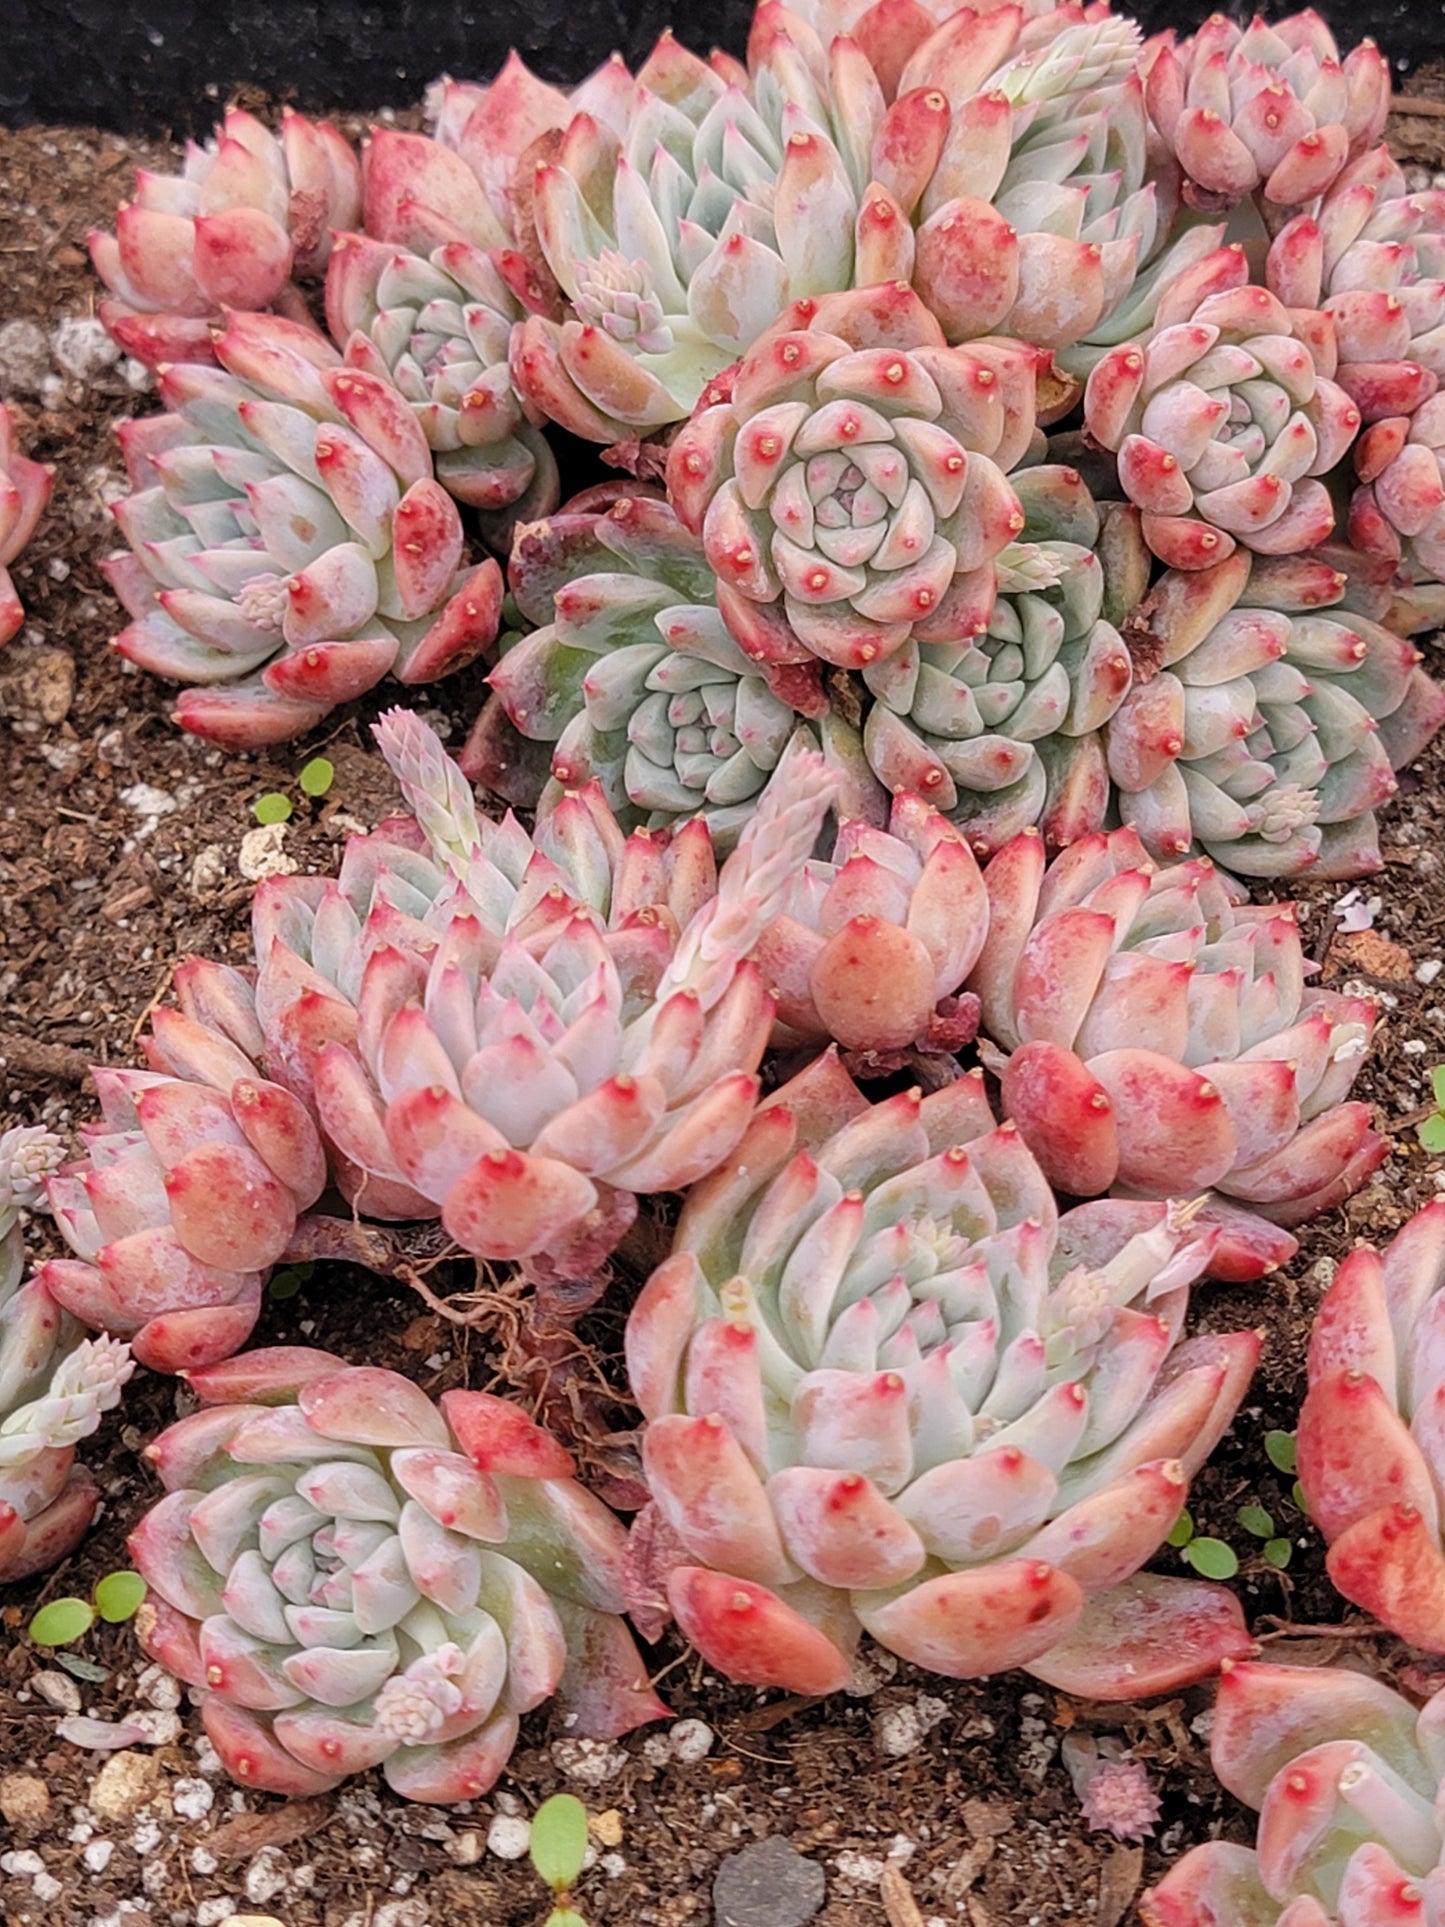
[[889, 1388], [355, 1577], [24, 492], [248, 211], [1346, 1776], [1371, 1449], [54, 1388]]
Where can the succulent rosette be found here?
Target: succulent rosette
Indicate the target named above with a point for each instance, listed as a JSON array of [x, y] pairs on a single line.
[[1004, 730], [630, 678], [54, 1389], [1372, 256], [850, 493], [24, 492], [1265, 110], [869, 947], [29, 1156], [888, 1387], [439, 327], [1370, 1454], [248, 210], [1345, 1775], [527, 1091], [1154, 1039], [1267, 719], [353, 1576], [191, 1184], [289, 542], [1222, 420]]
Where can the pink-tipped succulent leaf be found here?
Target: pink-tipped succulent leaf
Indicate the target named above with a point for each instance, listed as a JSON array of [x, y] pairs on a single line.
[[1371, 1444], [1345, 1775], [24, 492]]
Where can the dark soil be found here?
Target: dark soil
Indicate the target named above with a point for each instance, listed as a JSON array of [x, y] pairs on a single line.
[[103, 889]]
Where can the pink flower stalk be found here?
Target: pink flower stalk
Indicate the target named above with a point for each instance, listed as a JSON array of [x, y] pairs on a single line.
[[24, 492], [888, 1388], [248, 211], [53, 1392], [354, 1577], [1155, 1040], [1345, 1776], [1370, 1446]]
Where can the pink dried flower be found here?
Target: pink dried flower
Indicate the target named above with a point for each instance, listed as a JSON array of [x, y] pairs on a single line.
[[1114, 1790]]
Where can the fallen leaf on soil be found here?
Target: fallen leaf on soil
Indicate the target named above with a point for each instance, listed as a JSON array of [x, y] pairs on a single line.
[[898, 1902], [1118, 1883], [238, 1839], [1376, 956]]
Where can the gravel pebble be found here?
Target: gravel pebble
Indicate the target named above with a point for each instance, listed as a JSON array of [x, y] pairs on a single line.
[[589, 1762], [24, 1800], [97, 1855], [509, 1836], [58, 1690], [691, 1741], [192, 1799]]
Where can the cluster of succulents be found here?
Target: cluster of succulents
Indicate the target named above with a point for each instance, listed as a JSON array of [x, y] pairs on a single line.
[[1005, 561]]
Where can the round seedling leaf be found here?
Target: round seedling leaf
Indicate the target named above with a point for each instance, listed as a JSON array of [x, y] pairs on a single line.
[[286, 1284], [1297, 1493], [564, 1917], [62, 1621], [318, 776], [1432, 1134], [559, 1840], [1211, 1558], [118, 1596], [1256, 1521], [1182, 1531], [1280, 1451], [273, 807], [1278, 1552]]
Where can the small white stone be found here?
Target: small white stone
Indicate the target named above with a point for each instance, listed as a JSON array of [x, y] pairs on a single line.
[[47, 1888], [58, 1689], [144, 799], [155, 1729], [266, 1876], [657, 1750], [209, 1913], [147, 1836], [589, 1762], [203, 1860], [1427, 972], [691, 1741], [263, 853], [613, 1865], [159, 1688], [861, 1867], [901, 1848], [1414, 1047], [207, 1758], [509, 1836], [23, 1862], [24, 357], [97, 1855], [901, 1730], [193, 1799], [82, 347], [402, 1913]]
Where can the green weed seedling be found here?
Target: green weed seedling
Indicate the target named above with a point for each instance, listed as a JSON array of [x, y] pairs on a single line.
[[559, 1846]]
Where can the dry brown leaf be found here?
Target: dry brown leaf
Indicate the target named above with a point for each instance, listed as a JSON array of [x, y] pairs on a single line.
[[898, 1902], [1119, 1881], [238, 1839]]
